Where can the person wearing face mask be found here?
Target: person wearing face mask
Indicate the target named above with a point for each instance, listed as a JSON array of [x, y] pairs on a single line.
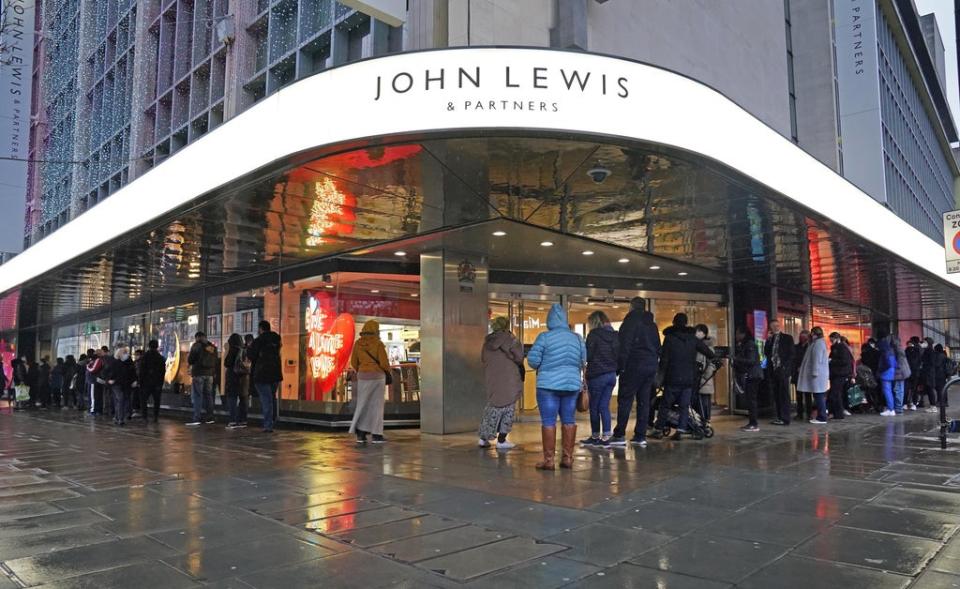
[[913, 355], [804, 401], [120, 375], [747, 371], [841, 367], [814, 375], [928, 376], [708, 370]]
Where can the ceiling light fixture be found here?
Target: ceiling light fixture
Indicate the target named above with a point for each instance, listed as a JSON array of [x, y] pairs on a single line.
[[587, 252], [375, 291], [681, 273], [399, 253], [546, 243], [624, 260], [499, 233], [654, 267]]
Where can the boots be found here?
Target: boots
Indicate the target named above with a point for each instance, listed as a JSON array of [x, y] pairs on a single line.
[[568, 440], [549, 436]]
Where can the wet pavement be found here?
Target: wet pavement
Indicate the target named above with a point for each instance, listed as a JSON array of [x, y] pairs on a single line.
[[867, 502]]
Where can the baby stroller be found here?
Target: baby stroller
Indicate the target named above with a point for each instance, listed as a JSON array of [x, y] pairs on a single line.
[[697, 427]]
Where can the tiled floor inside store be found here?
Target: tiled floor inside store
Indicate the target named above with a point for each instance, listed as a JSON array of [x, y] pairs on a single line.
[[867, 502]]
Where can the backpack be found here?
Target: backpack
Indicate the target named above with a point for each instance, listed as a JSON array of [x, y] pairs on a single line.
[[241, 364]]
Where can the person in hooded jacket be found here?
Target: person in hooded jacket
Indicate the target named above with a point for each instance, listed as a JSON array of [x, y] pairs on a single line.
[[502, 358], [559, 356], [638, 356], [747, 370], [708, 370], [913, 354], [841, 367], [814, 377], [603, 353], [678, 362], [264, 355], [900, 376], [370, 363], [886, 371]]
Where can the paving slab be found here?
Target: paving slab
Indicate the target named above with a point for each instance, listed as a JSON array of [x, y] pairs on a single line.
[[489, 558]]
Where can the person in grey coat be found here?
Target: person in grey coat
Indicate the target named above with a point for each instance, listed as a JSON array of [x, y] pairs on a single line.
[[502, 358], [814, 376]]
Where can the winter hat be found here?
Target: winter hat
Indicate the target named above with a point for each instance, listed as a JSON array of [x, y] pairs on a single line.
[[500, 324]]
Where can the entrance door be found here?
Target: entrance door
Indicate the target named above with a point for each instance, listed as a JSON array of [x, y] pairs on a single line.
[[528, 319]]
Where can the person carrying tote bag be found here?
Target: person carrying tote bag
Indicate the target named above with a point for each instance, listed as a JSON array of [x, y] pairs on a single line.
[[501, 355], [373, 373]]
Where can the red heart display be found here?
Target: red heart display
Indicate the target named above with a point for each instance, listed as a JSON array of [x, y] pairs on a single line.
[[329, 344]]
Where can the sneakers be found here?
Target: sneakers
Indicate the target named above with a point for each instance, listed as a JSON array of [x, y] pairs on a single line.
[[818, 422], [847, 413], [911, 407], [591, 441], [378, 439], [192, 423], [932, 410], [361, 438], [483, 443], [888, 413], [209, 421], [240, 425], [619, 441], [504, 445], [603, 443], [778, 422], [750, 428], [232, 426], [639, 443]]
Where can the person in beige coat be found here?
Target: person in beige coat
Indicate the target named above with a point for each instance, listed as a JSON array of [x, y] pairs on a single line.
[[502, 357]]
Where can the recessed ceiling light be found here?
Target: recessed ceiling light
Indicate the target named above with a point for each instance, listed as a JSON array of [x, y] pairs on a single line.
[[639, 284], [546, 243], [591, 304], [587, 252], [328, 286], [616, 306], [414, 294], [399, 253], [681, 273], [654, 267], [624, 260], [374, 291], [589, 284], [499, 233]]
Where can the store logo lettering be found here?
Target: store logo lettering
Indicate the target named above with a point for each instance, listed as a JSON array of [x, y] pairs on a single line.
[[535, 78]]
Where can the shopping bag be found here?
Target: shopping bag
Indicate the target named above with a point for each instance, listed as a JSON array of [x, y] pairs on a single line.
[[855, 396], [23, 392], [583, 400]]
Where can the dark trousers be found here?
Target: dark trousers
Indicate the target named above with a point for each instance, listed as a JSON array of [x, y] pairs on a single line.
[[704, 406], [751, 390], [780, 393], [680, 396], [147, 393], [835, 396], [121, 403], [95, 393], [70, 398], [639, 386]]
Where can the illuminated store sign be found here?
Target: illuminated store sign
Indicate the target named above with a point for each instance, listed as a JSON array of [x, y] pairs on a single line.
[[329, 343], [330, 210]]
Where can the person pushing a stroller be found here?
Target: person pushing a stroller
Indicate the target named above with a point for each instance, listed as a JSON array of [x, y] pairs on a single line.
[[678, 364]]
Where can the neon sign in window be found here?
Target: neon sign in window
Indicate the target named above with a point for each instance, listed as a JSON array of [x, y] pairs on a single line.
[[329, 343]]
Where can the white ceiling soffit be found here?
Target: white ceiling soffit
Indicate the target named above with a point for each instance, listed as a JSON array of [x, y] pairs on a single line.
[[483, 88], [392, 12]]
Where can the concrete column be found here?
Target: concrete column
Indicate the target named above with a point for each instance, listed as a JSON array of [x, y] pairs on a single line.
[[453, 318]]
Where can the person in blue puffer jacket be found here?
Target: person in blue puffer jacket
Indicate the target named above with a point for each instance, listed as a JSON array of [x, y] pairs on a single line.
[[886, 372], [558, 355]]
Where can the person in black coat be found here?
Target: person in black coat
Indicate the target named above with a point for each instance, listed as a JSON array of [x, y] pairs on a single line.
[[928, 375], [264, 354], [779, 350], [804, 401], [120, 375], [681, 373], [841, 369], [939, 372], [153, 369], [914, 354], [638, 355], [748, 373], [68, 391]]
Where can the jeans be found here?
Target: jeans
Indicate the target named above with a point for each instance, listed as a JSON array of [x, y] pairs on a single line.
[[780, 392], [237, 403], [551, 402], [639, 385], [201, 395], [601, 389], [898, 396], [821, 406], [267, 391], [680, 396], [887, 387]]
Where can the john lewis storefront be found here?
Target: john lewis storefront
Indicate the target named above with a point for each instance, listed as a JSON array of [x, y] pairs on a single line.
[[431, 190]]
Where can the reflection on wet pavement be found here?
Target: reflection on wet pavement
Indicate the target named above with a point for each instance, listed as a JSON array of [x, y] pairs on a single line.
[[864, 503]]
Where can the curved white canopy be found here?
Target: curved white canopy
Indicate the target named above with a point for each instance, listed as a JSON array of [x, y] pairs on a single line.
[[484, 88]]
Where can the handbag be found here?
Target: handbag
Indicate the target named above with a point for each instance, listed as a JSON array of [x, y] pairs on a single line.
[[855, 396], [22, 392], [583, 399], [387, 373]]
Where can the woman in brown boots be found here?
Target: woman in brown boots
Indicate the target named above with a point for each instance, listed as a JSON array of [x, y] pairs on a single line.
[[558, 355]]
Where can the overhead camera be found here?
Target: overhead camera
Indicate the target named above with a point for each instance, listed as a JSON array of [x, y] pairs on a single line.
[[599, 173]]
